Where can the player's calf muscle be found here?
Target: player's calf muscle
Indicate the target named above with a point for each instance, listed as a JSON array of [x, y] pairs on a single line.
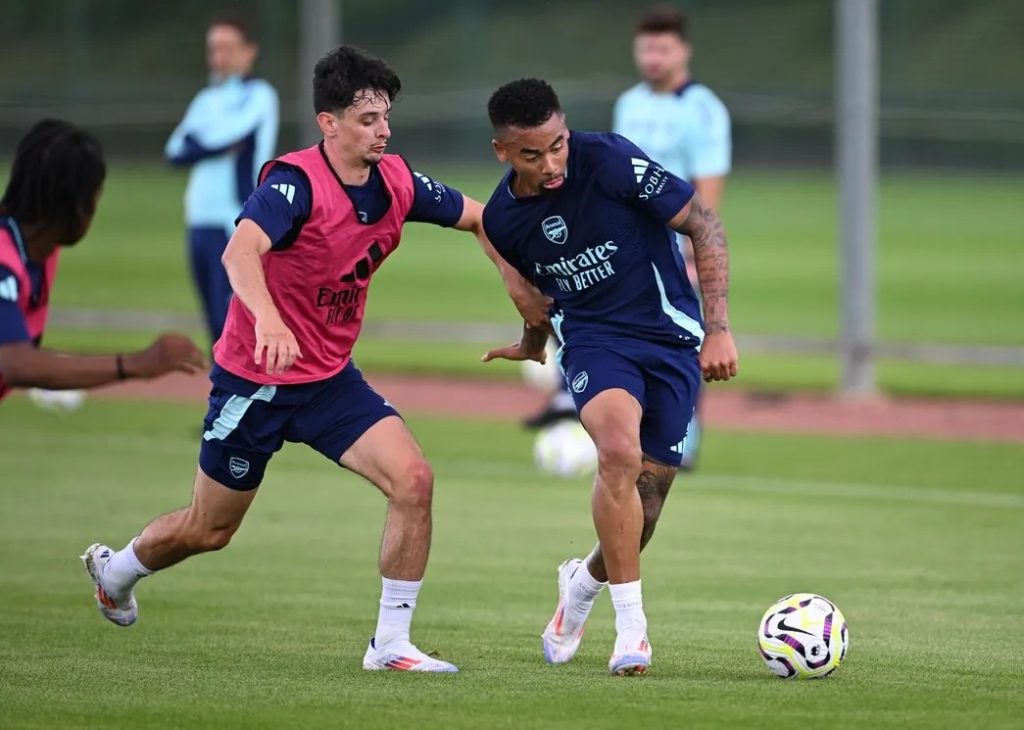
[[653, 485]]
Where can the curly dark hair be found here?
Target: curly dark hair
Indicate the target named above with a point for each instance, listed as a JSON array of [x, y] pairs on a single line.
[[346, 71], [58, 170], [524, 103]]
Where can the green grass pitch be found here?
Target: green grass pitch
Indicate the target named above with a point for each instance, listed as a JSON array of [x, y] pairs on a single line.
[[918, 542]]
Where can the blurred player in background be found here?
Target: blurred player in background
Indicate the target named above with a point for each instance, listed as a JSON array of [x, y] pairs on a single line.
[[678, 122], [590, 220], [228, 132], [51, 197], [668, 114], [309, 239]]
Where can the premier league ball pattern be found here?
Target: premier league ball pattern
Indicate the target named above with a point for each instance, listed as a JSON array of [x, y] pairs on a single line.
[[803, 636]]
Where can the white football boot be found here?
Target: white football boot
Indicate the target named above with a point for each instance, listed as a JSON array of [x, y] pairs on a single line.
[[123, 614], [631, 656], [561, 645], [402, 656]]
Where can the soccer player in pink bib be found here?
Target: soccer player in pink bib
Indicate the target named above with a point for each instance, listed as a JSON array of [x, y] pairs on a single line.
[[51, 197], [308, 241]]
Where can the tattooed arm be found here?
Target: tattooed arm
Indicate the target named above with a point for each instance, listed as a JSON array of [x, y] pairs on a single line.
[[718, 357]]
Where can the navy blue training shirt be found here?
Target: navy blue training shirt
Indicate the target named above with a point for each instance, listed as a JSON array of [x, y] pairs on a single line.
[[284, 199], [599, 245]]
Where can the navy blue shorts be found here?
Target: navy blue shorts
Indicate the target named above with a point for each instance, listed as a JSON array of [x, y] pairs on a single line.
[[663, 378], [248, 422]]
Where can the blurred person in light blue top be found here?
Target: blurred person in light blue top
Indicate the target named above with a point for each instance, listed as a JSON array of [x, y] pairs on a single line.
[[670, 116], [228, 132], [678, 122]]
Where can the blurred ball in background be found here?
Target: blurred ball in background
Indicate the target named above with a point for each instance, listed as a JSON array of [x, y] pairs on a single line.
[[565, 450]]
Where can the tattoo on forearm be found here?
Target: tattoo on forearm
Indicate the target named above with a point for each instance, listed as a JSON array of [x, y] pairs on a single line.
[[711, 255]]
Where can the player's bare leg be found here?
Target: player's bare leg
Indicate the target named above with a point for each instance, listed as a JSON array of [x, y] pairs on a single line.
[[653, 486], [581, 581], [389, 457], [613, 420], [208, 523]]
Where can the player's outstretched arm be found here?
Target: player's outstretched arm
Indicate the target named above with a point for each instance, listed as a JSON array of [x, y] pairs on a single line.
[[25, 366], [241, 260], [532, 305], [531, 346], [718, 357]]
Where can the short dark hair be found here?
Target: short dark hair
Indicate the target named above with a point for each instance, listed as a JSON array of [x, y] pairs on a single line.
[[58, 170], [345, 71], [664, 19], [524, 103], [234, 19]]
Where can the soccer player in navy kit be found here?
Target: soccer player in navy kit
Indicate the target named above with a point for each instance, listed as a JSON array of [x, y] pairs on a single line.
[[684, 126], [590, 220]]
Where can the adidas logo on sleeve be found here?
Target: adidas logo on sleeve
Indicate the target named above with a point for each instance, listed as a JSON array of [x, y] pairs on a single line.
[[286, 189], [640, 168], [9, 289]]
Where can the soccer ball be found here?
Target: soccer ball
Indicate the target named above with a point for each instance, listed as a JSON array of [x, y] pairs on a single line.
[[803, 636], [64, 401], [566, 450]]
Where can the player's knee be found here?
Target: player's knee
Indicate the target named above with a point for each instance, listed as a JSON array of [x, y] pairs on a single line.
[[619, 455], [216, 539], [204, 537], [209, 540], [414, 486]]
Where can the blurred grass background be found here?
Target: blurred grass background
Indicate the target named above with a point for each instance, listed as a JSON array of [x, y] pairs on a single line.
[[945, 274]]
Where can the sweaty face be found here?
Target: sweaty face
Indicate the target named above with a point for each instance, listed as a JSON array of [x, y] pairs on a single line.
[[227, 51], [660, 56], [538, 155], [363, 129]]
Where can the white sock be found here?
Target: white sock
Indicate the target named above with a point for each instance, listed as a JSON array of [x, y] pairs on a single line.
[[629, 607], [397, 602], [122, 572], [583, 589]]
